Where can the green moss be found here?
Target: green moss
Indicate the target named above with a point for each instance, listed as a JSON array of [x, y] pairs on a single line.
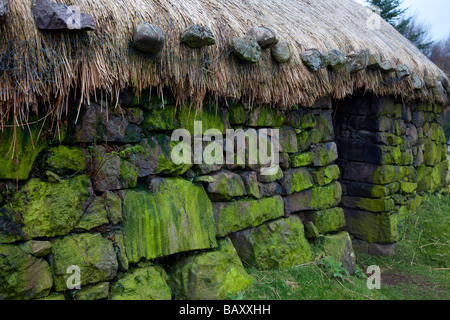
[[160, 119], [301, 160], [49, 209], [210, 275], [296, 180], [237, 114], [278, 244], [387, 174], [23, 276], [265, 117], [326, 175], [64, 158], [327, 221], [237, 215], [407, 187], [376, 205], [432, 153], [128, 175], [372, 227], [92, 292], [177, 217], [17, 155], [211, 116], [147, 283], [92, 253], [339, 247], [94, 216]]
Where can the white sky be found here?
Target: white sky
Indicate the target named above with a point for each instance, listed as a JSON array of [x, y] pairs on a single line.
[[435, 13]]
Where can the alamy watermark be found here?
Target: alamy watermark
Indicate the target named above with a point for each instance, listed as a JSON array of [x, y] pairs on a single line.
[[374, 280], [238, 147]]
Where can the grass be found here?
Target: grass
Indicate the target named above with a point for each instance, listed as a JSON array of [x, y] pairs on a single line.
[[418, 270]]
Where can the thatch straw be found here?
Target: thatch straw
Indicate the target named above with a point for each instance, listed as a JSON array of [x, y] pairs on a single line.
[[39, 67]]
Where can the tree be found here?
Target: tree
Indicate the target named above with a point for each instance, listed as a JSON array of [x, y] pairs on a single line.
[[409, 27], [440, 55]]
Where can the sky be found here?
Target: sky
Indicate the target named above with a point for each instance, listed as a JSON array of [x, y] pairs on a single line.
[[435, 13]]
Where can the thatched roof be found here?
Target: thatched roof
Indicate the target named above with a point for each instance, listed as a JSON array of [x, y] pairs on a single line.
[[42, 66]]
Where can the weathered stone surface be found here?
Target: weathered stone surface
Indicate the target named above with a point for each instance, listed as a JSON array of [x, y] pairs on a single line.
[[326, 221], [94, 216], [316, 198], [246, 49], [97, 125], [271, 189], [92, 292], [372, 227], [295, 180], [325, 175], [265, 37], [51, 16], [148, 283], [367, 152], [282, 51], [325, 154], [302, 159], [339, 247], [276, 245], [402, 71], [111, 172], [357, 60], [417, 82], [370, 123], [288, 140], [148, 38], [135, 115], [371, 173], [237, 114], [66, 159], [336, 60], [176, 217], [237, 215], [252, 186], [121, 250], [196, 36], [36, 248], [210, 115], [92, 253], [23, 276], [113, 206], [224, 185], [369, 190], [17, 163], [271, 174], [42, 209], [369, 204], [312, 59], [265, 117], [209, 275]]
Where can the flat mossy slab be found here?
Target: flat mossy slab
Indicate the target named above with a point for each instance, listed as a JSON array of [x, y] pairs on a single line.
[[237, 215], [64, 158], [23, 276], [147, 283], [91, 253], [317, 198], [17, 154], [326, 221], [278, 244], [176, 217], [93, 292], [339, 247], [45, 209], [209, 275]]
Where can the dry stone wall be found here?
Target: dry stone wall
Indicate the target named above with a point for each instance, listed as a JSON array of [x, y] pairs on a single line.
[[103, 200]]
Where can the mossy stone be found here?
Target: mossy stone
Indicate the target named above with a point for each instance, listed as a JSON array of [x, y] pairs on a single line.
[[325, 175], [237, 114], [23, 276], [160, 119], [148, 283], [211, 116], [93, 292], [302, 159], [176, 217], [237, 215], [17, 155], [295, 180], [209, 275], [327, 221], [372, 227], [66, 159], [36, 248], [92, 253], [278, 244], [317, 198], [121, 251], [339, 247], [94, 216], [265, 117], [44, 209]]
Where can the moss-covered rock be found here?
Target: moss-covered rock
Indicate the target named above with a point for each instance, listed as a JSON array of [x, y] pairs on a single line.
[[295, 180], [224, 185], [372, 227], [148, 283], [327, 221], [237, 114], [241, 214], [361, 189], [275, 245], [93, 292], [288, 140], [302, 159], [36, 248], [176, 217], [92, 253], [17, 154], [407, 187], [94, 216], [370, 204], [318, 198], [252, 186], [121, 251], [23, 276], [211, 116], [209, 275], [64, 158], [325, 154], [270, 174], [43, 209], [113, 206], [160, 119], [339, 247], [265, 117], [325, 175]]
